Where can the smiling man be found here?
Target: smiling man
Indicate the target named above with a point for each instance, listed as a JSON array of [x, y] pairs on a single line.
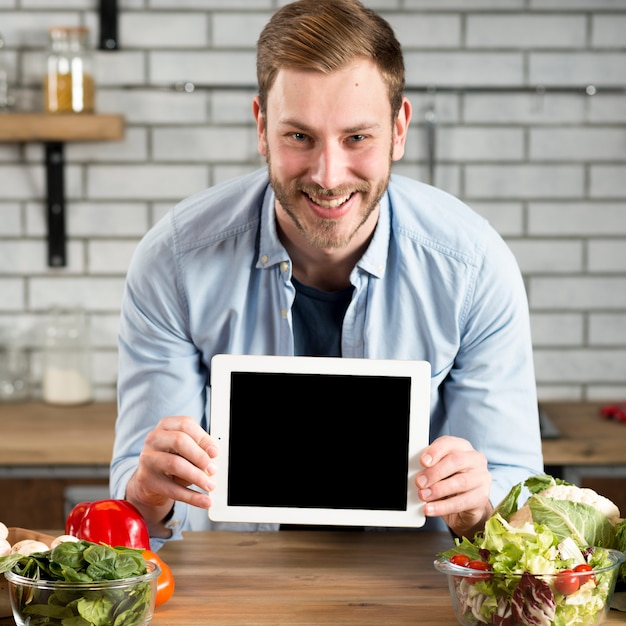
[[329, 140], [325, 253]]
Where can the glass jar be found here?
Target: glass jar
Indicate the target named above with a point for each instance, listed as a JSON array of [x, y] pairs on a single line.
[[68, 82], [67, 359], [14, 367], [5, 96]]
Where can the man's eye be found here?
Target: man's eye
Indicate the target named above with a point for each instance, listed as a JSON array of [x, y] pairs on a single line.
[[357, 138], [299, 136]]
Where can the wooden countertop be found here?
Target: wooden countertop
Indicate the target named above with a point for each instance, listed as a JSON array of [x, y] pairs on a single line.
[[37, 434], [302, 577], [586, 437]]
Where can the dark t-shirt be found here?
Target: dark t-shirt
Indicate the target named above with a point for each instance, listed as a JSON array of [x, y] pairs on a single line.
[[317, 320]]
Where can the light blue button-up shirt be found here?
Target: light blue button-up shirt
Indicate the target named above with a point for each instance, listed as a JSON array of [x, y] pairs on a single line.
[[436, 283]]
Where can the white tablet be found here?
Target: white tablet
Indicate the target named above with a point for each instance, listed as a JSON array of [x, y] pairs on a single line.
[[318, 440]]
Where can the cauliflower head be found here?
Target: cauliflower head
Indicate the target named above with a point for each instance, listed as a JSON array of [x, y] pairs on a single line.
[[573, 494]]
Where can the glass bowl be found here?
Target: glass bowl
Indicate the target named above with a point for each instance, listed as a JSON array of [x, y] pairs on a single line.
[[128, 601], [522, 599]]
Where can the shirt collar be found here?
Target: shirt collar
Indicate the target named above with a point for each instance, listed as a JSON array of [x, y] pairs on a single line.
[[271, 250], [374, 261]]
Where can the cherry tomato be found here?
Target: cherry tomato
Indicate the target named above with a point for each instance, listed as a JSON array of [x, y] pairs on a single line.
[[566, 582], [165, 582], [460, 559], [585, 567], [477, 564]]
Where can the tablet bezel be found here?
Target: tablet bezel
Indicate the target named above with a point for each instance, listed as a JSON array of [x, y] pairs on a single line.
[[222, 367]]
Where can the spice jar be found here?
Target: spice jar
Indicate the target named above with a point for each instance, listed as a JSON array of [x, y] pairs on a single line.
[[68, 82], [67, 359]]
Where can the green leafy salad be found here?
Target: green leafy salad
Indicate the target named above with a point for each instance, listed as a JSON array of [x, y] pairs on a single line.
[[81, 562], [541, 563]]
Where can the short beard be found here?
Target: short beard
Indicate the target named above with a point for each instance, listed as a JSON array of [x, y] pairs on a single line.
[[324, 236]]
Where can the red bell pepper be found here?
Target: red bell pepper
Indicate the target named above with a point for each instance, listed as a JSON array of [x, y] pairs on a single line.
[[114, 522]]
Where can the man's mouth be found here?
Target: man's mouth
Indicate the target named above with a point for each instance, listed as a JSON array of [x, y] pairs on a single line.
[[329, 203]]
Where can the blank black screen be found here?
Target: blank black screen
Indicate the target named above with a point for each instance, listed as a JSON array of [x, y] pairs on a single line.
[[319, 441]]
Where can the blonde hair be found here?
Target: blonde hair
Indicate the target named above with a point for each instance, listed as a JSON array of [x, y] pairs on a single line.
[[325, 35]]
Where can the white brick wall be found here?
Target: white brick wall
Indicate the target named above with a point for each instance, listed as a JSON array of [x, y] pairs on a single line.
[[547, 167]]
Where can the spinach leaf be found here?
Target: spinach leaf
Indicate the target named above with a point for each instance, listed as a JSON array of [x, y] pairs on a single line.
[[48, 610], [9, 562], [98, 610]]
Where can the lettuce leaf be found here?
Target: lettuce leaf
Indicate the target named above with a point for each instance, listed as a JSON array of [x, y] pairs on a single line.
[[583, 522], [533, 485], [517, 550], [620, 544]]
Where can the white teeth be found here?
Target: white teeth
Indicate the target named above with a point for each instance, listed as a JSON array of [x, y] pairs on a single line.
[[329, 204]]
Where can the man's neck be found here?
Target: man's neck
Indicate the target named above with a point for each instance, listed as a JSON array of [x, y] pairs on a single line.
[[327, 269], [332, 276]]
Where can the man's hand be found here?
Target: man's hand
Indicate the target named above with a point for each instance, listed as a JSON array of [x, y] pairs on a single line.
[[176, 454], [455, 485]]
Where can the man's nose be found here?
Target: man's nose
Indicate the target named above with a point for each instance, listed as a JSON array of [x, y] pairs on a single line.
[[330, 165]]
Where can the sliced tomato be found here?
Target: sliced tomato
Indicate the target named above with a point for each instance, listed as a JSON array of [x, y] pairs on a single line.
[[583, 578], [566, 582], [460, 559], [165, 582], [477, 564]]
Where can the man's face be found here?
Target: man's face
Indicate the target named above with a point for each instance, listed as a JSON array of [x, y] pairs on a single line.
[[329, 142]]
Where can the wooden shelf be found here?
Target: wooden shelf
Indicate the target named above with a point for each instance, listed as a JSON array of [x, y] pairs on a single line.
[[44, 127]]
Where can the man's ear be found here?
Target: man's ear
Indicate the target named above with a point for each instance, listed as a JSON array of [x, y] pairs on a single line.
[[400, 129], [260, 126]]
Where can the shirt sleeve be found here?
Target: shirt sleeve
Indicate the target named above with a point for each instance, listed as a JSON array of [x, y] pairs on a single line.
[[161, 372], [490, 393]]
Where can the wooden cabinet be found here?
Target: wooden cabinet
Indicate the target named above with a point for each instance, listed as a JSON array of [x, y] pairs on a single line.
[[48, 451], [39, 502]]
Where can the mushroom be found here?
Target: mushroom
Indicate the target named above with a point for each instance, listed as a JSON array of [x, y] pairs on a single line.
[[28, 546], [5, 547], [62, 539]]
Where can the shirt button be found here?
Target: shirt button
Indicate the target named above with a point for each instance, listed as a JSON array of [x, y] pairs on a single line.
[[284, 266], [283, 312], [264, 259]]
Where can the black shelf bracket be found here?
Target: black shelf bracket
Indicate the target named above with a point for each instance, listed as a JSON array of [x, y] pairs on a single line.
[[55, 183], [108, 25]]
